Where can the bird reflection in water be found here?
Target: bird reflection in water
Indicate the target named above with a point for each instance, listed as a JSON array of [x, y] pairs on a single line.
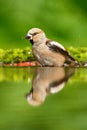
[[47, 80]]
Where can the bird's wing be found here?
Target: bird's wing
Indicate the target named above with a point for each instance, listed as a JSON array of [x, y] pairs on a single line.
[[58, 48]]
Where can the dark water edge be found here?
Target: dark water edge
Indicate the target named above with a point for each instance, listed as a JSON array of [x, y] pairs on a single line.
[[64, 109]]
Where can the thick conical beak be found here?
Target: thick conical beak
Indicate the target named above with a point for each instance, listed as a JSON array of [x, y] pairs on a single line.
[[29, 36]]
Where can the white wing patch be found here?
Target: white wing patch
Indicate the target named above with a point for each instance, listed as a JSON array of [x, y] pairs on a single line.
[[57, 44], [58, 88]]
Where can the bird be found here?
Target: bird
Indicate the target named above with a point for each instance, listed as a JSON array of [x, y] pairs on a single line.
[[47, 80], [49, 52]]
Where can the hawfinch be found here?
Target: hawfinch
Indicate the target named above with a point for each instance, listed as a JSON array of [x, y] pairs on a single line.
[[47, 80], [48, 52]]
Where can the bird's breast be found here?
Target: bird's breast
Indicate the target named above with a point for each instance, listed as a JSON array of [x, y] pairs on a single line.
[[47, 57]]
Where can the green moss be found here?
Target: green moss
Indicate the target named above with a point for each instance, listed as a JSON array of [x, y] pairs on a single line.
[[16, 55], [20, 55], [79, 54]]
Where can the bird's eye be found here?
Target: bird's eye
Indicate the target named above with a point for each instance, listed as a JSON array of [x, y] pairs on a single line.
[[35, 33]]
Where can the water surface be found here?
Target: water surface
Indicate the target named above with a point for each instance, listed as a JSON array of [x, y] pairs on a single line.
[[43, 98]]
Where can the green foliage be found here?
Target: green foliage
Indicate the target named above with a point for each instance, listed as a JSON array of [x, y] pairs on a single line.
[[79, 53], [1, 55], [16, 55], [22, 55]]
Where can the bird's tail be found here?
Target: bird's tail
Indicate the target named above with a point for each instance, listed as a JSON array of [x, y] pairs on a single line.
[[72, 62]]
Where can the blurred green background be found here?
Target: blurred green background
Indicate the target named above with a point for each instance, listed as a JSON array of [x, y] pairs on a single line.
[[62, 20]]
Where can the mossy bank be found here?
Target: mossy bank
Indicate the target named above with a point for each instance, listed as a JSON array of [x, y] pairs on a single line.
[[21, 55]]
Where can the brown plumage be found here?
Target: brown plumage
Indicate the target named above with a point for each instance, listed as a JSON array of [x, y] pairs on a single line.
[[48, 52], [47, 80]]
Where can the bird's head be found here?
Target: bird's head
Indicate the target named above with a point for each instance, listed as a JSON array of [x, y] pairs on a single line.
[[36, 36]]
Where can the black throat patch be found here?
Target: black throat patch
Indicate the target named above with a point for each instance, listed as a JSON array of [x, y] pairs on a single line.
[[32, 42]]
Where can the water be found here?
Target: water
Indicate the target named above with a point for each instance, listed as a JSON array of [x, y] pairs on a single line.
[[43, 98]]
